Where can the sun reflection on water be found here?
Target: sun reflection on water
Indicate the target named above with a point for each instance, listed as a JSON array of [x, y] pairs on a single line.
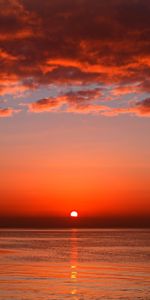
[[73, 265]]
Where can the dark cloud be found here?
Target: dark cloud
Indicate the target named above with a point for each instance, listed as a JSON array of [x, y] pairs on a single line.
[[143, 107], [145, 86], [80, 41]]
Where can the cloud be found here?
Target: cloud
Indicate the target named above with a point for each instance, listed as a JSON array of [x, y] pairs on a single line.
[[11, 86], [47, 104], [125, 90], [7, 112], [88, 109], [75, 42], [75, 100], [89, 101], [15, 21], [143, 107]]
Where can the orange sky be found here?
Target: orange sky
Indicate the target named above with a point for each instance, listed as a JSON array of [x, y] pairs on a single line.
[[90, 167]]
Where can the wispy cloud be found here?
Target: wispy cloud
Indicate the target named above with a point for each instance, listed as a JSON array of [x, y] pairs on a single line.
[[7, 112]]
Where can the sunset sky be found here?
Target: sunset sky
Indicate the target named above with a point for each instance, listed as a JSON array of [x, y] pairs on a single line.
[[75, 108]]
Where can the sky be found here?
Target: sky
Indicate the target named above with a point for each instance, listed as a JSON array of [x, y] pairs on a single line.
[[75, 108]]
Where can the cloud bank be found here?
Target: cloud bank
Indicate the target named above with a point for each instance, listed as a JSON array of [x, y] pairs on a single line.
[[77, 43]]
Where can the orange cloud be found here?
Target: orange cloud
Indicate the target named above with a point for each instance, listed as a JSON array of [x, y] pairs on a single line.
[[75, 100], [7, 112], [141, 108], [85, 101], [125, 90], [89, 108], [47, 104]]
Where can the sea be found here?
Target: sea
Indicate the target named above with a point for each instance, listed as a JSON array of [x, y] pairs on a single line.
[[75, 264]]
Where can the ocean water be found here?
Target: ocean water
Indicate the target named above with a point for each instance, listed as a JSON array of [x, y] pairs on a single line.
[[75, 264]]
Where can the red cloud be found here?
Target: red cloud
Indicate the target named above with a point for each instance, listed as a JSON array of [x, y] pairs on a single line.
[[47, 104], [98, 39], [7, 112], [76, 100], [143, 107], [125, 90], [76, 42]]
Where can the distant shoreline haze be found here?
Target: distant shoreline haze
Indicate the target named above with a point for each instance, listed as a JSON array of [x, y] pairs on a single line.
[[81, 222]]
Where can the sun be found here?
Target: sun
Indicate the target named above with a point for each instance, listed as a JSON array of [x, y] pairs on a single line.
[[74, 214]]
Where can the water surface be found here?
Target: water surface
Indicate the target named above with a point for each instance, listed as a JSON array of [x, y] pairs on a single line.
[[75, 264]]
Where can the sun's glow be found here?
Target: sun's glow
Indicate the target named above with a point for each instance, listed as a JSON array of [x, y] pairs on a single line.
[[74, 214]]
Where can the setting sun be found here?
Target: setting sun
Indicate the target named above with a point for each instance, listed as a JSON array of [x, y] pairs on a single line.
[[74, 214]]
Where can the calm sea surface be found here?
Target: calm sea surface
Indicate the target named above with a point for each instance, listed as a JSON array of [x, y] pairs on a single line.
[[74, 264]]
